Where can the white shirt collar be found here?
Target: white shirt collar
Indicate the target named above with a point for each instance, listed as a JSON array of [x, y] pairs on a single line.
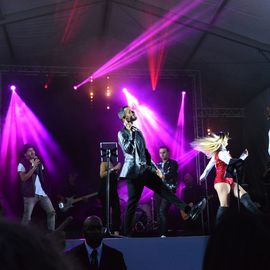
[[90, 249]]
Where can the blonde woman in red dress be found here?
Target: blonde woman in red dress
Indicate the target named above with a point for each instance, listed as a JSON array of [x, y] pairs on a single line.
[[214, 147]]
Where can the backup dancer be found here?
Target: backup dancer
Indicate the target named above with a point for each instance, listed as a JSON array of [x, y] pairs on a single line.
[[214, 147]]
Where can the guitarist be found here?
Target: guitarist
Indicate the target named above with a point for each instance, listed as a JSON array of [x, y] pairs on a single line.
[[114, 198], [138, 172], [169, 169]]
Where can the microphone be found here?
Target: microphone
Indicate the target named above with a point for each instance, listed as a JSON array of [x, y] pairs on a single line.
[[39, 166], [133, 129]]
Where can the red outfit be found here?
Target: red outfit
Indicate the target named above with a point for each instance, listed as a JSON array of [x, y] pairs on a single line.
[[221, 167]]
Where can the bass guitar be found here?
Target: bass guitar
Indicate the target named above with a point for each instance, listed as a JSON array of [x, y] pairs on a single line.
[[68, 202]]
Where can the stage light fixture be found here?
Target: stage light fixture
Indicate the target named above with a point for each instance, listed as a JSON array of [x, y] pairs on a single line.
[[13, 88]]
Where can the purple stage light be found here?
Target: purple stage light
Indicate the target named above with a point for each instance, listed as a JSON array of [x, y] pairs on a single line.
[[179, 139], [150, 122], [158, 132], [22, 126], [151, 38], [75, 87], [13, 88]]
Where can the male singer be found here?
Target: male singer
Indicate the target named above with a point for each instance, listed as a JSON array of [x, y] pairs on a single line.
[[139, 171], [33, 187]]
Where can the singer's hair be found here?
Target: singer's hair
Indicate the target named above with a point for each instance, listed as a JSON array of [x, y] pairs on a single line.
[[122, 113], [211, 144], [26, 147]]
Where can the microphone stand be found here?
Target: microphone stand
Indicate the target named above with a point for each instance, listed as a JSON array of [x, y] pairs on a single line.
[[238, 189], [107, 231]]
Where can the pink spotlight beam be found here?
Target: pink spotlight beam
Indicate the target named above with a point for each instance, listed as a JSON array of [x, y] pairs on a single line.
[[180, 10], [21, 126], [179, 140]]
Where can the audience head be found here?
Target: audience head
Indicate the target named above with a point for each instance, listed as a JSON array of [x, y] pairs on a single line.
[[93, 231], [23, 248]]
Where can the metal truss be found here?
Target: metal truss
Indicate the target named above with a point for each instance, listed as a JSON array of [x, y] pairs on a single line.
[[220, 112], [68, 70]]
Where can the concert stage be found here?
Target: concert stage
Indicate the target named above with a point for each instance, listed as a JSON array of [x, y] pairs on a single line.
[[171, 253]]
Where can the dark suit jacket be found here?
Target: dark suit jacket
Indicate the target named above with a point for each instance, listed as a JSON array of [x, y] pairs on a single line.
[[111, 259], [170, 171]]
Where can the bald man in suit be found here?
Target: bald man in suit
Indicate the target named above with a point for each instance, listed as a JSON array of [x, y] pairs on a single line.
[[93, 254]]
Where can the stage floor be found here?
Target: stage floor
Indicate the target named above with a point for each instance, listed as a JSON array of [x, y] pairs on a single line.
[[171, 253]]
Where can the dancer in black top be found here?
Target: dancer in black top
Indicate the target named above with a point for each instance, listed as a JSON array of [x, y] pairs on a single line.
[[169, 169]]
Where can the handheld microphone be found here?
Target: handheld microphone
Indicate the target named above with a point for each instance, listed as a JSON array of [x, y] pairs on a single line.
[[134, 129]]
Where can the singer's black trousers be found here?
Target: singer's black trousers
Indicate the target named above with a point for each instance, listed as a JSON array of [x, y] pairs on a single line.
[[135, 189]]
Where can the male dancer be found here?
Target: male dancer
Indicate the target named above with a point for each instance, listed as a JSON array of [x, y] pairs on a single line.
[[139, 172]]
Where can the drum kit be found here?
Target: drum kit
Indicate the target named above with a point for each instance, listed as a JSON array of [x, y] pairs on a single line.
[[144, 216]]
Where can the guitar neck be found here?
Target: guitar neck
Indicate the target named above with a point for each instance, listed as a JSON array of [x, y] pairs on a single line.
[[154, 164], [85, 197]]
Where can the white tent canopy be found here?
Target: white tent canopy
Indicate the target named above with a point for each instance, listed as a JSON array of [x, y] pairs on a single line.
[[228, 40]]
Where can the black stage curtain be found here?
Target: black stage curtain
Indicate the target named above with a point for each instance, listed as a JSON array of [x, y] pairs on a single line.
[[256, 126]]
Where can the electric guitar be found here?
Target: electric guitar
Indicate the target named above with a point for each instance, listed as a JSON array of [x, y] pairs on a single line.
[[68, 202], [170, 186]]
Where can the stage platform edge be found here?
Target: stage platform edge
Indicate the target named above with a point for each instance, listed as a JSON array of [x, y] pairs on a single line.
[[170, 253]]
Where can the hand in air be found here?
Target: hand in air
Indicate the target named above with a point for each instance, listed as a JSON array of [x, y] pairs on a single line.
[[160, 174], [128, 125], [202, 177], [245, 152]]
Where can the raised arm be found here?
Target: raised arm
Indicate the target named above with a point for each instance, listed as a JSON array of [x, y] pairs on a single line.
[[226, 157], [103, 169], [126, 141], [24, 176], [208, 168]]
